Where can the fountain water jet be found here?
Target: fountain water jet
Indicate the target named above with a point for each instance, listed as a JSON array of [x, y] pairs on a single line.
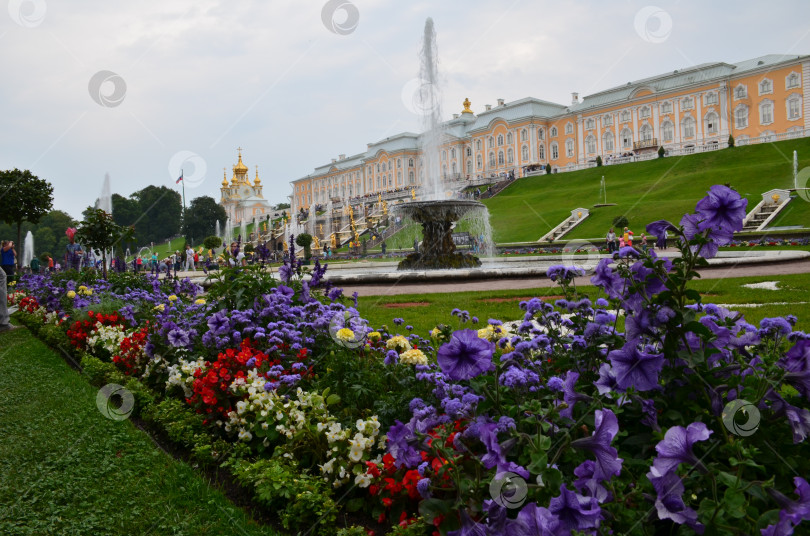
[[28, 250]]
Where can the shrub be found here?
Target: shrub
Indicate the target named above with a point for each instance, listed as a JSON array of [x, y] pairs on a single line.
[[620, 222], [730, 141], [43, 257], [661, 152], [212, 242], [305, 241], [598, 161], [548, 169]]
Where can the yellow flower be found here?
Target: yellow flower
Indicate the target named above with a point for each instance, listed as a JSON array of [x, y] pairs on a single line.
[[160, 307], [71, 294], [374, 336], [345, 334], [398, 343], [199, 301], [172, 298], [88, 291], [414, 357], [435, 332], [486, 333], [12, 283], [81, 288]]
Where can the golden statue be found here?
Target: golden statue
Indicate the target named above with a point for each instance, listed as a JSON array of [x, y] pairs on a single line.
[[320, 228], [334, 240], [286, 247], [413, 194], [466, 109], [385, 208], [379, 197], [316, 242]]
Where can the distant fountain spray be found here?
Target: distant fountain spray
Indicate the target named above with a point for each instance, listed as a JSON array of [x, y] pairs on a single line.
[[28, 249]]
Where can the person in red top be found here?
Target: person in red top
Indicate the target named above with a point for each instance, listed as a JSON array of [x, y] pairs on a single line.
[[138, 263]]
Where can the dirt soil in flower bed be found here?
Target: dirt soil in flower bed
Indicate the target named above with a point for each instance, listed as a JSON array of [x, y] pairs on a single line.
[[502, 300], [406, 304]]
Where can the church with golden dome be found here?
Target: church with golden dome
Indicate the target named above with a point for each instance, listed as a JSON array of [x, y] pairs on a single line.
[[243, 200]]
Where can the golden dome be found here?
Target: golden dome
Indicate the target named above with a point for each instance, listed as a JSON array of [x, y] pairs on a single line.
[[240, 167], [258, 180], [224, 178]]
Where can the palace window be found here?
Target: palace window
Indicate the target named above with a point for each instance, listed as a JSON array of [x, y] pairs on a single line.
[[410, 177], [378, 167], [607, 142], [711, 123], [590, 144], [444, 154], [711, 98], [766, 86], [569, 148], [541, 152], [627, 139], [794, 107], [491, 142], [524, 135], [444, 170], [453, 152], [525, 153], [500, 158], [607, 120], [491, 159], [667, 131], [569, 128], [478, 162], [688, 102], [740, 92], [666, 108], [399, 163], [792, 81], [399, 179], [410, 162], [510, 155], [624, 117], [644, 112], [552, 132], [500, 140], [540, 134], [469, 166], [589, 124], [555, 152], [478, 144], [469, 151], [766, 112], [454, 168], [741, 116], [688, 127], [509, 138], [646, 132]]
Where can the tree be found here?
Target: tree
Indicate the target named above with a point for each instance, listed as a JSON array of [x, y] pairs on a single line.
[[620, 222], [281, 206], [212, 242], [125, 210], [305, 241], [598, 161], [661, 152], [160, 210], [201, 217], [99, 231], [730, 141], [548, 169], [25, 197]]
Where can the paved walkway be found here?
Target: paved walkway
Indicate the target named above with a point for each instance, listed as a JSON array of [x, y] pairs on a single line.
[[720, 272]]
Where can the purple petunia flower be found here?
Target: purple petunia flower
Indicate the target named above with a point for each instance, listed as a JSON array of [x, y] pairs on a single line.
[[634, 368], [658, 228], [796, 363], [534, 520], [423, 487], [607, 462], [465, 356], [469, 527], [178, 338], [691, 225], [574, 511], [792, 512], [676, 448], [669, 501], [722, 210], [219, 323], [402, 444]]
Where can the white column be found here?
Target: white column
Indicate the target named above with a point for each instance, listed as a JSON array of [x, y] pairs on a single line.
[[533, 143], [725, 112], [580, 140], [806, 93], [699, 118], [599, 136]]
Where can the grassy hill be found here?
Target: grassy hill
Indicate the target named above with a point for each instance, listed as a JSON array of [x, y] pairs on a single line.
[[646, 191]]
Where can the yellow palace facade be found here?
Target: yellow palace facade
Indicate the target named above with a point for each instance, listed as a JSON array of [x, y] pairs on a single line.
[[684, 111]]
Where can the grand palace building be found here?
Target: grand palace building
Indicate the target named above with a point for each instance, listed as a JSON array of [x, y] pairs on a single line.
[[684, 111]]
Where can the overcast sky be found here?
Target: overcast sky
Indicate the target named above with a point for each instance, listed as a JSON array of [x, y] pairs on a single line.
[[137, 89]]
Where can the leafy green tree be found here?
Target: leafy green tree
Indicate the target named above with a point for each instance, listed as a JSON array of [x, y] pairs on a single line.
[[125, 210], [598, 161], [281, 206], [620, 222], [661, 152], [730, 141], [160, 209], [212, 242], [305, 241], [201, 217], [25, 197], [548, 169], [99, 231]]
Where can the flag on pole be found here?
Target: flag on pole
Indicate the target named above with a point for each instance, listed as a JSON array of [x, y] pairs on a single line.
[[181, 177]]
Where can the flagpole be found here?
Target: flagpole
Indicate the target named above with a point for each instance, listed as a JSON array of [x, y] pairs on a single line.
[[184, 192]]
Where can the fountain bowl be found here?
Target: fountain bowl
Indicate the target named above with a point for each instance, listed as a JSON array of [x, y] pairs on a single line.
[[438, 251]]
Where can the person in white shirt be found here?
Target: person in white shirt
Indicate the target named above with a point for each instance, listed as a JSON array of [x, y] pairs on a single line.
[[190, 259]]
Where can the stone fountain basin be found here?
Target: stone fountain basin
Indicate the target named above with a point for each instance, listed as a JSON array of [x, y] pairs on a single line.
[[429, 211]]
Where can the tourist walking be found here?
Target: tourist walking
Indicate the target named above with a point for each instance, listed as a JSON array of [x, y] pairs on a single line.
[[73, 251], [610, 239], [9, 257], [661, 243], [628, 237], [190, 259], [5, 324], [644, 242]]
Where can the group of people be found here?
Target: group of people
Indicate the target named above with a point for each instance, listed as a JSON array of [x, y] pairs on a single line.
[[625, 239]]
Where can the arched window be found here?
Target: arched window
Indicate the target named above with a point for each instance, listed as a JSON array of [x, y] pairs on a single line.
[[444, 154], [469, 151], [491, 142], [444, 170], [766, 112], [525, 153], [688, 127], [524, 135], [553, 132], [399, 178], [500, 140], [478, 162], [590, 144], [607, 142], [469, 166], [646, 132], [378, 167], [410, 177], [491, 159], [453, 152], [510, 155], [766, 86], [500, 158], [589, 124], [644, 112], [625, 116], [794, 107], [607, 120], [667, 131], [712, 123], [741, 116], [540, 134], [478, 144], [541, 152], [627, 139], [555, 151], [569, 148], [410, 162], [792, 81], [666, 108], [740, 92], [509, 138], [569, 128], [453, 166]]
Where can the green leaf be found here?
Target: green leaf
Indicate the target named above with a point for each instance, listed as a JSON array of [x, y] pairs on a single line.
[[432, 508], [332, 400], [733, 503]]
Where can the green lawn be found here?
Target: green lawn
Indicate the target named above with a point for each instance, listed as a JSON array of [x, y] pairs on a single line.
[[646, 191], [66, 469], [425, 311]]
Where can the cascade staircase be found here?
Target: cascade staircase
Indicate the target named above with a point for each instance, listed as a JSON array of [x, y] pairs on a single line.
[[577, 216], [773, 202]]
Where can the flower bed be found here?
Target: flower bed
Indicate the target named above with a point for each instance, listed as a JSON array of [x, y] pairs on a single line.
[[691, 418]]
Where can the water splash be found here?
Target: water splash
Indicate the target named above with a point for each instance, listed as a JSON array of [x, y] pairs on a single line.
[[429, 103], [28, 249]]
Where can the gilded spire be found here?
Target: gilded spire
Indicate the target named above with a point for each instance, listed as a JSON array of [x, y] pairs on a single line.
[[224, 177], [257, 181]]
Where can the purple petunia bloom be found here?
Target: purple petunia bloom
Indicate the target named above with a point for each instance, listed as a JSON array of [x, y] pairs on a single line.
[[691, 225], [219, 323], [792, 512], [796, 363], [469, 527], [178, 338], [465, 356], [607, 462], [634, 368], [574, 511], [564, 273], [722, 210], [605, 278], [658, 228], [676, 448], [534, 520], [402, 445], [588, 485], [423, 487], [669, 501]]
